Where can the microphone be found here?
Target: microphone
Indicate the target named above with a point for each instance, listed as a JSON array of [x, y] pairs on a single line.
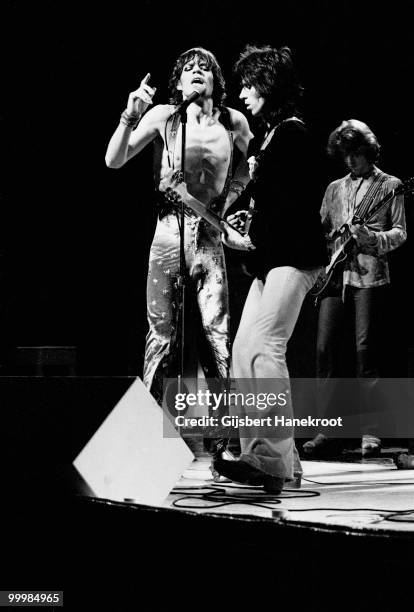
[[186, 103]]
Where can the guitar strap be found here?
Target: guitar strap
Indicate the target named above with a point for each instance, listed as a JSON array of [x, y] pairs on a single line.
[[170, 136], [171, 129], [361, 211], [365, 204]]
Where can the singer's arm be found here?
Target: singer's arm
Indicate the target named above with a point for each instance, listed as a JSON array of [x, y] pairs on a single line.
[[125, 142], [242, 137]]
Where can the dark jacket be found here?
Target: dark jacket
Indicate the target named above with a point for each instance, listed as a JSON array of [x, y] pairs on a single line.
[[286, 227]]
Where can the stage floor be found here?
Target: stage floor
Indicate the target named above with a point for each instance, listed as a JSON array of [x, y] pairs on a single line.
[[365, 495]]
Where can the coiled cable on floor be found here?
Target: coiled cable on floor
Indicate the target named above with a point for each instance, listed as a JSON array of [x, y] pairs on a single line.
[[217, 496]]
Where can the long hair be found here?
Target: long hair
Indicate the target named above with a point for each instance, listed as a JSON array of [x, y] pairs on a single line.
[[353, 136], [272, 73], [219, 87]]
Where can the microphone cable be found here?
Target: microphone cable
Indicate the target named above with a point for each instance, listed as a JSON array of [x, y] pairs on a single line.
[[216, 496]]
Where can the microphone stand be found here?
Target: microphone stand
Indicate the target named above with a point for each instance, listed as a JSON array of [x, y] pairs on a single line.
[[181, 279], [180, 283]]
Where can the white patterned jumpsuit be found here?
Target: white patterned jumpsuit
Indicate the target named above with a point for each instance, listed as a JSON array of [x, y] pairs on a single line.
[[205, 271]]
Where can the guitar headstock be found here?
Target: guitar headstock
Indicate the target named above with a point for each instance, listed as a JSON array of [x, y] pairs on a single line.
[[172, 196], [176, 177], [173, 186], [178, 185]]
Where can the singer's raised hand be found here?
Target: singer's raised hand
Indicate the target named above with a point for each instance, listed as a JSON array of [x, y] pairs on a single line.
[[141, 98]]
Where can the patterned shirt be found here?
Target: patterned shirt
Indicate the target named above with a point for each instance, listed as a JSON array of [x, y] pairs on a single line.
[[366, 266]]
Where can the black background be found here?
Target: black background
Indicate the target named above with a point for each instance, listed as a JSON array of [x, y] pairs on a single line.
[[75, 235]]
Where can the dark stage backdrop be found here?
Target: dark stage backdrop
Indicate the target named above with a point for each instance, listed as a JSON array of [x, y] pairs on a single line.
[[75, 235]]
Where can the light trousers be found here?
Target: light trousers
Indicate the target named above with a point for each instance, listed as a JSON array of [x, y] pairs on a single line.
[[259, 351]]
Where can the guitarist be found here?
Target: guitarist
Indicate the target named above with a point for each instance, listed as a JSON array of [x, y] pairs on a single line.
[[357, 297], [214, 134], [287, 234]]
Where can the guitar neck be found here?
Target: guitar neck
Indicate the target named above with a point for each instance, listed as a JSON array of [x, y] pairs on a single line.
[[213, 218], [381, 204], [343, 233]]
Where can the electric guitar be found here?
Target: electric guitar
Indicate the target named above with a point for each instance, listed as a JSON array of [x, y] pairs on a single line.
[[176, 192], [341, 242]]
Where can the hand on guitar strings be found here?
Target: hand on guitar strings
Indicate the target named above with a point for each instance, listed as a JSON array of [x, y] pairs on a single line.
[[234, 240], [364, 237], [253, 167], [238, 219]]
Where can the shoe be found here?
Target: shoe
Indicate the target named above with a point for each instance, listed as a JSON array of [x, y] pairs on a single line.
[[323, 447], [213, 445], [296, 483], [312, 447], [210, 445], [405, 461], [241, 472], [370, 446], [220, 448]]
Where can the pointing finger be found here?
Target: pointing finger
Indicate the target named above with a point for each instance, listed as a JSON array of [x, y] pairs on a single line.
[[149, 90], [146, 79]]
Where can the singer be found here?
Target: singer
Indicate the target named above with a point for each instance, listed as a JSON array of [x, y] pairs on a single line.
[[197, 87]]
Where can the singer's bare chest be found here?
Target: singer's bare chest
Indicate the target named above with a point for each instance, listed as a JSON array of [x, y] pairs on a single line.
[[208, 145]]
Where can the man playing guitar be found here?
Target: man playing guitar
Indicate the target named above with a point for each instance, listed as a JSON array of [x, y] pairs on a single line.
[[356, 297]]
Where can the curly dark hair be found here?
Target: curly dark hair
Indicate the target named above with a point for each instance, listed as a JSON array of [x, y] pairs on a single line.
[[353, 136], [219, 89], [272, 73]]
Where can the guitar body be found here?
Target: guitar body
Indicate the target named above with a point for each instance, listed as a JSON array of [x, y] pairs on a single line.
[[331, 277]]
